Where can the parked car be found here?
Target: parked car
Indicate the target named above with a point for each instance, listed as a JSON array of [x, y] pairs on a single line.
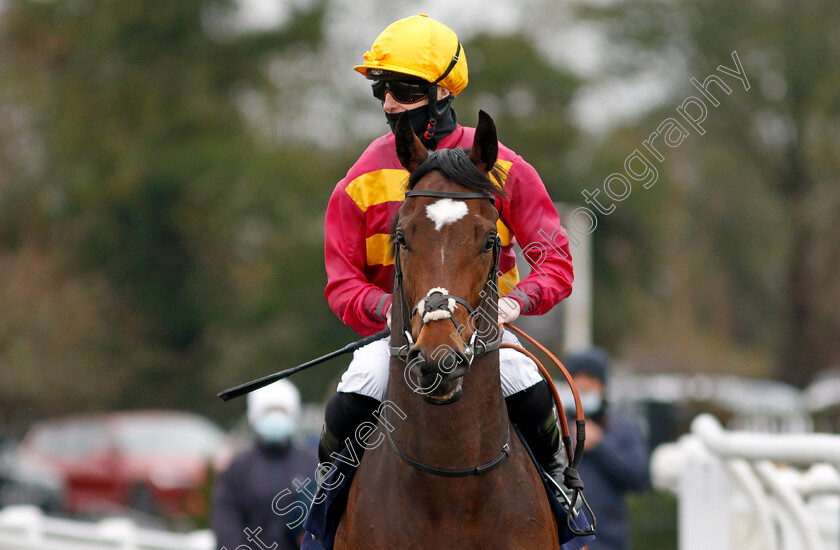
[[157, 462]]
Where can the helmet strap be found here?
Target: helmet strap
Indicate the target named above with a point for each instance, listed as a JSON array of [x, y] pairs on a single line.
[[438, 112]]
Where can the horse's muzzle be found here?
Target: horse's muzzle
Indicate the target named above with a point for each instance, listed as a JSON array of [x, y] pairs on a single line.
[[440, 380]]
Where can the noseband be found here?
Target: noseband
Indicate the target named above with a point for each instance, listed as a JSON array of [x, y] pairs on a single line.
[[439, 304]]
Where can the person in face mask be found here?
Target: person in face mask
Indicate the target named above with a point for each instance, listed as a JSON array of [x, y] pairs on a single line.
[[249, 493], [616, 458], [418, 66]]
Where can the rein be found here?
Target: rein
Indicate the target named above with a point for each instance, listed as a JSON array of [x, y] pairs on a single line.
[[571, 478]]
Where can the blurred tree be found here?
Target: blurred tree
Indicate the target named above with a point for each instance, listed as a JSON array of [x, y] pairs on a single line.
[[528, 99], [745, 239], [125, 158], [63, 336]]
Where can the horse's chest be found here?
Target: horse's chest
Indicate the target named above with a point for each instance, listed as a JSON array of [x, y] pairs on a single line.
[[391, 529], [464, 513]]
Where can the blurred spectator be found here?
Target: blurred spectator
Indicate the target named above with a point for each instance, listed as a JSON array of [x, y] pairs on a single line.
[[247, 497], [616, 458]]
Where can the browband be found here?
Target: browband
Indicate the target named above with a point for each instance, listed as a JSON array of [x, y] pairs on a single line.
[[451, 195]]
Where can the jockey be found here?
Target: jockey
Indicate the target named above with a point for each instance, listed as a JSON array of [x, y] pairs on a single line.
[[418, 65]]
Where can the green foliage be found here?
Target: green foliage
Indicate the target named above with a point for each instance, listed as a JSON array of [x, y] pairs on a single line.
[[144, 171], [171, 250]]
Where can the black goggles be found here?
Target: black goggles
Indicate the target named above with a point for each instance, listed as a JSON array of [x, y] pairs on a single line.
[[403, 91]]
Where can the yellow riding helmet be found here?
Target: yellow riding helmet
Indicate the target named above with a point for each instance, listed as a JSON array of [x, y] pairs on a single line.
[[422, 47]]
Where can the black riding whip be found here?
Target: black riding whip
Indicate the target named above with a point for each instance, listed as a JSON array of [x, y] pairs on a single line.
[[248, 387]]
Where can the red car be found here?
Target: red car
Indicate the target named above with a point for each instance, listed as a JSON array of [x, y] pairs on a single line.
[[153, 461]]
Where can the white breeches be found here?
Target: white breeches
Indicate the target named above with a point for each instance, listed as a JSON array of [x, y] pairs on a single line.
[[368, 371]]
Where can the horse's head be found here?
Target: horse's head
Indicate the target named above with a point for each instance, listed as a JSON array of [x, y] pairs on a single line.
[[446, 251]]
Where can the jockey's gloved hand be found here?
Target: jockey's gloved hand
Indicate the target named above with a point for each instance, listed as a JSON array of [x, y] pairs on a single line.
[[509, 310], [388, 316]]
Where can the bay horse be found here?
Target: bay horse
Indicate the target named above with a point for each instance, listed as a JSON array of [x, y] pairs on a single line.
[[453, 474]]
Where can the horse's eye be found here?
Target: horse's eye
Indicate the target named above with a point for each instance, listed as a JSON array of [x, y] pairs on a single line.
[[490, 242], [400, 239]]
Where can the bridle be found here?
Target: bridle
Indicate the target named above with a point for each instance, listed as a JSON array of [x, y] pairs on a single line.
[[437, 305], [438, 301]]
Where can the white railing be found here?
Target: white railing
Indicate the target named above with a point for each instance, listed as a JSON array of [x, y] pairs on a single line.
[[751, 491], [26, 528]]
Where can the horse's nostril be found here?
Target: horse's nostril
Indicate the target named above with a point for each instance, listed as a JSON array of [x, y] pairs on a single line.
[[416, 358]]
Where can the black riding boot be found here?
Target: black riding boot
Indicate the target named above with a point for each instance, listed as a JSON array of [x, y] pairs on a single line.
[[533, 412], [343, 414]]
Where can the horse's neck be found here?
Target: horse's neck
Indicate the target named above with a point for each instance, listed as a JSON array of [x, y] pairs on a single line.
[[463, 434]]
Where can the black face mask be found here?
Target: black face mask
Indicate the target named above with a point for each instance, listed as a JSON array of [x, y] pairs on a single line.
[[419, 118]]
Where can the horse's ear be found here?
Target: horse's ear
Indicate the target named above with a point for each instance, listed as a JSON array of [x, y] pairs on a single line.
[[485, 147], [410, 149]]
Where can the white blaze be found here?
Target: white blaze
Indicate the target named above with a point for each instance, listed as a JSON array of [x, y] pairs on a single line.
[[446, 211]]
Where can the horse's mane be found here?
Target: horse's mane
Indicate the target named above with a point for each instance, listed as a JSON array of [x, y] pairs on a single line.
[[457, 166]]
